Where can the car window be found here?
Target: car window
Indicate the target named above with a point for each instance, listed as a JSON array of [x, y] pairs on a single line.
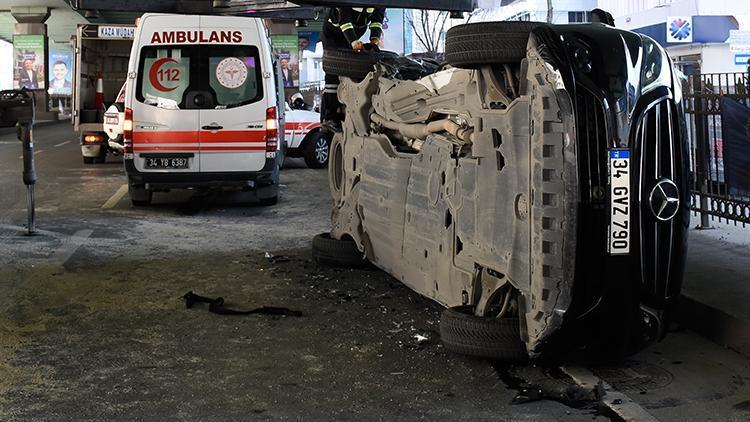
[[121, 95], [221, 76]]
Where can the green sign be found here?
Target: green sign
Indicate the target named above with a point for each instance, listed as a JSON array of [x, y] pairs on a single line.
[[287, 47], [29, 62]]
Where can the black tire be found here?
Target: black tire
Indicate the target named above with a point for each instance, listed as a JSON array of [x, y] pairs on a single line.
[[476, 44], [487, 338], [266, 202], [88, 160], [337, 253], [350, 63], [102, 157], [139, 196], [317, 150]]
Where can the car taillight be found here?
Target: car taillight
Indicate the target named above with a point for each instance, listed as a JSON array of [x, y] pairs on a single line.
[[91, 139], [272, 132], [127, 132]]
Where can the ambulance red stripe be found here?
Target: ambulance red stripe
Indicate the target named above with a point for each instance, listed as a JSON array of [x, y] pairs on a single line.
[[187, 137], [199, 149]]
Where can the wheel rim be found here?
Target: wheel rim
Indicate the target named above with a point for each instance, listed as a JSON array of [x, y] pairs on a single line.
[[321, 150]]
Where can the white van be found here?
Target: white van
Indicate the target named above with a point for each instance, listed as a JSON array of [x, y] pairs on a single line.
[[202, 106]]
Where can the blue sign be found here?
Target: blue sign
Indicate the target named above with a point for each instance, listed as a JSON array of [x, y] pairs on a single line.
[[741, 59]]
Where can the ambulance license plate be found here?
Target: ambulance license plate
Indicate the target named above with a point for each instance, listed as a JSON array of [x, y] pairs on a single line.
[[166, 163], [619, 208], [111, 120]]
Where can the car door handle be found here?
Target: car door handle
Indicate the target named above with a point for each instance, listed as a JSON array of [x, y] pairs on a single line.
[[212, 127]]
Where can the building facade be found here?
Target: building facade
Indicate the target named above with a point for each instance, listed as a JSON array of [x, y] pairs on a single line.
[[696, 33]]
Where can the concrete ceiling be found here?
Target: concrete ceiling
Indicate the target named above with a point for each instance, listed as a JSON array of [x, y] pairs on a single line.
[[60, 25]]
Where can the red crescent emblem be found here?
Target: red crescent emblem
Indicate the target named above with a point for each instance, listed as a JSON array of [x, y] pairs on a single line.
[[152, 77]]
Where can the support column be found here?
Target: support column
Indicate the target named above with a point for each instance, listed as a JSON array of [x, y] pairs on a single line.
[[31, 21]]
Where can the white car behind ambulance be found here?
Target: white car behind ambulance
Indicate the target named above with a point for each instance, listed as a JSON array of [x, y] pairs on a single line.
[[202, 107]]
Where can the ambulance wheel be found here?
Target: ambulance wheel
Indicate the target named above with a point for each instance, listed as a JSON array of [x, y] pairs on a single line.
[[337, 253], [317, 150], [139, 196], [88, 160], [268, 195]]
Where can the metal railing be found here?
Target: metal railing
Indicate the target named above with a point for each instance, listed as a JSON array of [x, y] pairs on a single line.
[[714, 193]]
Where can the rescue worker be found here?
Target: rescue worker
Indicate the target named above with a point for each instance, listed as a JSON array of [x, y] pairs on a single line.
[[343, 29]]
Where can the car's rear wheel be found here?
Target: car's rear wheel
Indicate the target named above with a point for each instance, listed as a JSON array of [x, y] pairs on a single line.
[[88, 160], [477, 44], [482, 337], [352, 64], [337, 253], [102, 157], [317, 150], [139, 195], [268, 195]]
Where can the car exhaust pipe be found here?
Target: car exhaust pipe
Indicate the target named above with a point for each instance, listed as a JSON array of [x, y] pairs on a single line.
[[421, 130]]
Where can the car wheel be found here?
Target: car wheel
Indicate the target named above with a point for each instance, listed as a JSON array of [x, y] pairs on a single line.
[[317, 150], [476, 44], [350, 63], [140, 196], [88, 160], [337, 253], [481, 337], [102, 157]]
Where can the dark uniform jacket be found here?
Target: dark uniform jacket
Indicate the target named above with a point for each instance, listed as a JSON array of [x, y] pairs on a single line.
[[354, 21]]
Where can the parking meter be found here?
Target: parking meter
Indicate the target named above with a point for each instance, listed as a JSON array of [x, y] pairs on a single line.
[[17, 109]]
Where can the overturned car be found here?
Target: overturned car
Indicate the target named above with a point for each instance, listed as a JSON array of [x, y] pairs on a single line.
[[536, 186]]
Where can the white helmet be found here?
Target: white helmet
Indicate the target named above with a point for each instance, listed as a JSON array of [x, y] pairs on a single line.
[[297, 96]]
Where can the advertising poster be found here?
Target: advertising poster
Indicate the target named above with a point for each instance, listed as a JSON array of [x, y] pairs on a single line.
[[61, 73], [28, 64], [308, 40], [287, 47]]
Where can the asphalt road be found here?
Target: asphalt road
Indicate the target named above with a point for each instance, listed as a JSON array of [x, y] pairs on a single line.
[[93, 327]]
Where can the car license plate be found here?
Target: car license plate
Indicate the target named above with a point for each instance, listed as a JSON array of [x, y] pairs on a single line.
[[619, 182], [166, 163], [111, 120]]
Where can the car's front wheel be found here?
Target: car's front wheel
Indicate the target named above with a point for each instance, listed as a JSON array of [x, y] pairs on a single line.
[[492, 338], [317, 150]]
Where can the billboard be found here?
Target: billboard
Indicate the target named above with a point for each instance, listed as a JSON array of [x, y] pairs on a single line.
[[61, 73], [29, 62], [287, 47], [308, 40]]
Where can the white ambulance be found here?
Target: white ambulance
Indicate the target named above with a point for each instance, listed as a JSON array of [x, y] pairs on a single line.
[[202, 107]]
